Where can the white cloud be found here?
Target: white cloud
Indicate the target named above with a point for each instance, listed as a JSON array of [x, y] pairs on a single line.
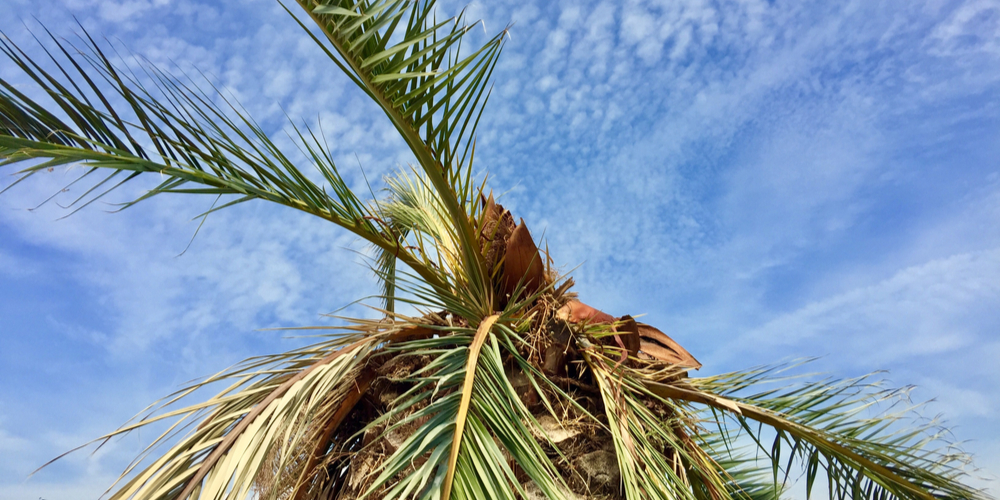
[[971, 27], [921, 312], [957, 401], [12, 445], [15, 266]]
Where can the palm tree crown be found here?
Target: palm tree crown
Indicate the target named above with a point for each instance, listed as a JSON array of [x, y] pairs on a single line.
[[504, 384]]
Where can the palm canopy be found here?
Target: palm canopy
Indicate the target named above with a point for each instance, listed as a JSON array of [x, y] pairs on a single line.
[[505, 385]]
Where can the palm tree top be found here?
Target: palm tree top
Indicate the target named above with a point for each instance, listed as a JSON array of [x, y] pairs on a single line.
[[458, 400]]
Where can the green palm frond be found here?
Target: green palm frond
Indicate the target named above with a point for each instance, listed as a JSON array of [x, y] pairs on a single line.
[[451, 393], [664, 451], [647, 471], [417, 216], [153, 123], [825, 427], [411, 65], [746, 479], [413, 204], [831, 427]]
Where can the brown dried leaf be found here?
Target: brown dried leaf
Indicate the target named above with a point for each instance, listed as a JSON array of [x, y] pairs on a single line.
[[522, 263], [660, 346], [576, 312], [495, 229], [628, 331], [490, 214]]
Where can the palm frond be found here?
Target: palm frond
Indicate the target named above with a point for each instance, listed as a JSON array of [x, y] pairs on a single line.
[[415, 213], [270, 429], [153, 123], [746, 479], [456, 385], [656, 455], [268, 409], [411, 65], [822, 426], [829, 426]]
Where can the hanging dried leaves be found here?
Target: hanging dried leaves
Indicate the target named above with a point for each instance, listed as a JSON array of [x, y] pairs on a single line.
[[637, 338]]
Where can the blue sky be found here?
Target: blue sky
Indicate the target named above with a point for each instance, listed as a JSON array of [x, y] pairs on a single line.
[[765, 180]]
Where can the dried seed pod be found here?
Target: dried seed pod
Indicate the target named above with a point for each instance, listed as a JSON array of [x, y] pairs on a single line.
[[522, 263], [659, 346], [495, 229]]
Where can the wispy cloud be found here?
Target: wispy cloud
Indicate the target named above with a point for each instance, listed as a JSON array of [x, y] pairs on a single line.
[[922, 311]]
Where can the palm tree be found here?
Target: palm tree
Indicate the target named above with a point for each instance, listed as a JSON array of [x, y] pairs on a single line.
[[503, 384]]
